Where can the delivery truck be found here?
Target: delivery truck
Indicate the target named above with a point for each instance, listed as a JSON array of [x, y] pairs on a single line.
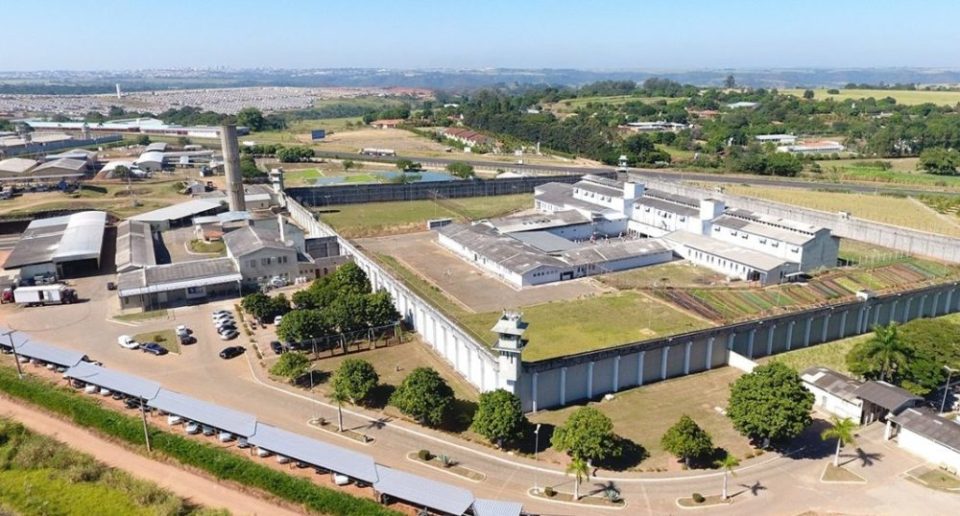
[[44, 295]]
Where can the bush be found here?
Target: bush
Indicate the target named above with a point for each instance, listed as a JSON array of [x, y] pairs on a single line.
[[424, 455], [549, 492], [220, 463], [698, 498]]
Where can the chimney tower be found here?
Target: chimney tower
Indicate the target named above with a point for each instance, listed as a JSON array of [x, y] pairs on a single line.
[[231, 167]]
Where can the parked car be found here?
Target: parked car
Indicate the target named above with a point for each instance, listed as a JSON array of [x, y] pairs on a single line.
[[277, 282], [154, 348], [118, 396], [127, 342], [276, 346], [282, 459], [208, 430], [340, 480], [182, 330], [105, 391], [91, 389], [225, 437], [262, 452], [229, 325], [186, 339], [192, 428], [224, 315], [173, 419], [132, 403], [242, 443], [222, 312], [231, 352], [277, 320], [229, 334]]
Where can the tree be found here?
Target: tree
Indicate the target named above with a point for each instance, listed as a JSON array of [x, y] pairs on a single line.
[[183, 141], [424, 396], [256, 304], [301, 325], [939, 161], [808, 94], [355, 379], [783, 164], [121, 172], [339, 398], [770, 403], [587, 434], [727, 464], [883, 354], [349, 164], [407, 165], [291, 365], [347, 312], [843, 430], [143, 140], [249, 169], [380, 310], [349, 277], [251, 118], [580, 470], [730, 82], [499, 416], [461, 169], [686, 440]]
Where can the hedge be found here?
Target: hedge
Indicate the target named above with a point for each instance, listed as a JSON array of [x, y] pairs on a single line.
[[87, 412]]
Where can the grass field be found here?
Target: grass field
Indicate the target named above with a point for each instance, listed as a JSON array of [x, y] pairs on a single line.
[[566, 327], [166, 338], [571, 105], [111, 197], [897, 211], [41, 476], [389, 218], [301, 177], [143, 316], [216, 247], [644, 414], [677, 274], [830, 354], [909, 98], [902, 171]]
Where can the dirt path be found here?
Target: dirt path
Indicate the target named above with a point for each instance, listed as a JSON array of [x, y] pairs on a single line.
[[195, 488]]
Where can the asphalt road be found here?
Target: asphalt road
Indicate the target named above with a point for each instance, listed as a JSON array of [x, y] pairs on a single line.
[[779, 485]]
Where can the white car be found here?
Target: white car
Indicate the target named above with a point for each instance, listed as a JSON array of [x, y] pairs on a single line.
[[277, 320], [222, 315], [225, 437], [221, 312], [91, 389], [262, 452], [192, 428], [127, 342], [340, 480], [278, 282], [182, 330], [283, 459], [173, 420]]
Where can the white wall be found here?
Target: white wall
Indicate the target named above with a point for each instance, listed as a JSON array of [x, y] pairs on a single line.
[[928, 450], [834, 404], [728, 267]]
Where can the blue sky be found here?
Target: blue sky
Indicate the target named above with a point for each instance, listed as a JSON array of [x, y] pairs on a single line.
[[586, 34]]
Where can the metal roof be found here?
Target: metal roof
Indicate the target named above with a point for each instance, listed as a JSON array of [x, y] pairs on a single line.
[[316, 453], [250, 239], [17, 165], [888, 396], [78, 236], [134, 246], [482, 507], [742, 255], [151, 156], [113, 380], [235, 422], [63, 167], [49, 354], [423, 492], [174, 276], [614, 249], [156, 147], [765, 229], [931, 426], [182, 210], [544, 241], [539, 221], [832, 382]]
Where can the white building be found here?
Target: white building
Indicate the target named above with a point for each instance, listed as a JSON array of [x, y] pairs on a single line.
[[833, 392], [929, 436], [779, 139], [814, 147], [151, 161]]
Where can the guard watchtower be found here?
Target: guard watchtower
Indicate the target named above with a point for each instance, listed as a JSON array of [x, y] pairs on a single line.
[[510, 343]]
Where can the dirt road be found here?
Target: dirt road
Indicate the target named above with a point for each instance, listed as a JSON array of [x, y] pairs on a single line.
[[195, 488]]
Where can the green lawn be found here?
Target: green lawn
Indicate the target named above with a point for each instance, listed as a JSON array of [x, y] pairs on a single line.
[[387, 218], [571, 105], [681, 273], [909, 98], [166, 338], [216, 247], [565, 327], [305, 176], [902, 171], [142, 316]]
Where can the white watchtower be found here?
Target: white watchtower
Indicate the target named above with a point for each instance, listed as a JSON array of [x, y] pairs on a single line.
[[510, 343]]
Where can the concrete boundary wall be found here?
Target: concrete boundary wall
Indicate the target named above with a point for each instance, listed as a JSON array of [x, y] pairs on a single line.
[[895, 237], [471, 359], [363, 193], [560, 381]]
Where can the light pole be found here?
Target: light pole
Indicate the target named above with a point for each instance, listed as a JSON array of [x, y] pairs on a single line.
[[946, 387], [536, 449], [16, 358]]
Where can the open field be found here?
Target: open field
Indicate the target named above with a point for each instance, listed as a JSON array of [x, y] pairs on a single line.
[[404, 142], [677, 274], [112, 197], [830, 354], [391, 218], [902, 171], [644, 414], [897, 211], [571, 105], [906, 97], [43, 476]]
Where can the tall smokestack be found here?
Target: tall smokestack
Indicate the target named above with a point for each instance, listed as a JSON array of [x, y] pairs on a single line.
[[231, 167]]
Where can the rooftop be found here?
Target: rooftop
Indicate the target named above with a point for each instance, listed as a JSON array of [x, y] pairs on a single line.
[[831, 381], [235, 422], [743, 256], [928, 424], [134, 245], [423, 492], [888, 396], [183, 210], [507, 251], [74, 167], [613, 249], [17, 165], [538, 221], [773, 231], [561, 194], [114, 380], [250, 239], [78, 236], [173, 276]]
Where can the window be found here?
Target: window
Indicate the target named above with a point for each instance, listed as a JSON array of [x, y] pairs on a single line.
[[266, 261], [744, 236], [253, 263], [794, 249], [763, 240], [775, 244], [683, 219], [716, 228]]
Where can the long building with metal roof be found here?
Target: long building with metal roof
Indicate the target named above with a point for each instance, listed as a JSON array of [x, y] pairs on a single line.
[[59, 246]]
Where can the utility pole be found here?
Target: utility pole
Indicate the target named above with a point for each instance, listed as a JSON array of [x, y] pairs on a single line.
[[143, 416], [536, 449], [946, 387], [16, 358]]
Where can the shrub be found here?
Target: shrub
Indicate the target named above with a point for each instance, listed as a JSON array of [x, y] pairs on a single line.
[[698, 498], [424, 455], [549, 492]]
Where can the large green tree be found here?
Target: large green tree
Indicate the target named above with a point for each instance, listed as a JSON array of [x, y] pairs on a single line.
[[588, 435], [291, 365], [687, 440], [939, 161], [884, 356], [301, 325], [499, 417], [355, 379], [461, 169], [424, 396], [251, 118], [380, 310], [770, 403], [843, 430], [264, 307]]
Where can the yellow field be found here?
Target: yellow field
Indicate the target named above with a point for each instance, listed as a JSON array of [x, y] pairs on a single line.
[[909, 98], [890, 210]]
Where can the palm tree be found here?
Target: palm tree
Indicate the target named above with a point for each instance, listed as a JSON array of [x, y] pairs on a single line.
[[843, 431], [727, 463], [887, 349], [340, 398], [581, 471]]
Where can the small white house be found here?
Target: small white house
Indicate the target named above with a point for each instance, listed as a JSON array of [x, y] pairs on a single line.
[[923, 433], [833, 392]]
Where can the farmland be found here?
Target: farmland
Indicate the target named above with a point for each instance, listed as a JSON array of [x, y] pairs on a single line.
[[900, 171], [906, 97], [897, 211], [571, 105], [390, 218]]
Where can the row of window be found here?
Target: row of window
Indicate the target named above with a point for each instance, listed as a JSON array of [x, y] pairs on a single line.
[[746, 236], [269, 260]]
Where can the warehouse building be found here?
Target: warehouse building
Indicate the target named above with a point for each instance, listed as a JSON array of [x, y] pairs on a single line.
[[927, 435], [59, 246], [182, 214], [16, 168], [62, 168], [135, 246], [151, 161], [159, 286]]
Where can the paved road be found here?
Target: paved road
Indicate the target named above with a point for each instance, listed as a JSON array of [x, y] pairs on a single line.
[[790, 484], [195, 488]]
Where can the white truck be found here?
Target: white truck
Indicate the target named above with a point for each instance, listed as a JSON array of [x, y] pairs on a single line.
[[44, 295]]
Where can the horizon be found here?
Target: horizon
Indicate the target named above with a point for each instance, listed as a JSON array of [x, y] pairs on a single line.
[[533, 35]]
